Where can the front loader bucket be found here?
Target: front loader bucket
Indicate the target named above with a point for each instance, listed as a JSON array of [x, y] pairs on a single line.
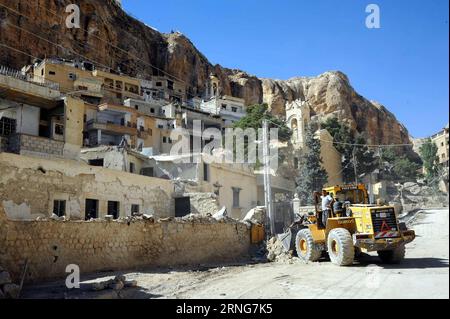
[[286, 239]]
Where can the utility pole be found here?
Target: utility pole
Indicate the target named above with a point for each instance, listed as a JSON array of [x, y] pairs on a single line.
[[354, 165], [267, 187]]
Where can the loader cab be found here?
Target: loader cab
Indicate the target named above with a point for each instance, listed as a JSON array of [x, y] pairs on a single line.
[[353, 194]]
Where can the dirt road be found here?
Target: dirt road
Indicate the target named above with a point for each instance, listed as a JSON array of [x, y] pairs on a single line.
[[423, 274]]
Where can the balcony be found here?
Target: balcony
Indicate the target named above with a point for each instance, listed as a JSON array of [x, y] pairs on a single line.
[[25, 144], [25, 88], [112, 128]]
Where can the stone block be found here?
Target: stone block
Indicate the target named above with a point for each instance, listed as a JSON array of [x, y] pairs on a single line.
[[5, 278]]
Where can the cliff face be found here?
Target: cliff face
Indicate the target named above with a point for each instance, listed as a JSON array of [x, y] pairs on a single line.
[[145, 51], [331, 93]]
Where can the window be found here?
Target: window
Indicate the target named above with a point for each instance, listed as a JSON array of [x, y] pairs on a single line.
[[224, 106], [96, 162], [150, 131], [147, 171], [164, 139], [170, 85], [152, 110], [169, 140], [158, 83], [59, 208], [236, 192], [42, 72], [134, 209], [113, 209], [234, 109], [296, 162], [7, 126], [205, 172], [136, 107], [51, 72], [91, 209], [59, 129], [132, 168]]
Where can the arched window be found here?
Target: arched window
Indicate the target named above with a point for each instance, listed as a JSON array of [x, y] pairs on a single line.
[[294, 124]]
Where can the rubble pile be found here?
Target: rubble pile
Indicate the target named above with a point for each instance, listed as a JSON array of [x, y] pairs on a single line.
[[116, 284], [276, 252], [415, 195], [8, 290]]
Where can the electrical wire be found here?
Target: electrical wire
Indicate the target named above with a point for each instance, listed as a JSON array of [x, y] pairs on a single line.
[[353, 144], [101, 39]]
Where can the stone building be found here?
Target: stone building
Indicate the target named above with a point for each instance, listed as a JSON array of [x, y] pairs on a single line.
[[441, 139], [36, 120], [298, 118]]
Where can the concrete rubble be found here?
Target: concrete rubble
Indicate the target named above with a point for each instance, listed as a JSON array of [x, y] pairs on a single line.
[[116, 284], [415, 195], [276, 252], [8, 290]]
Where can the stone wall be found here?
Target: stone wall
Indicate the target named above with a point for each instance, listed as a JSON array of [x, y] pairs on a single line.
[[49, 246], [3, 144], [29, 186], [28, 144], [203, 203]]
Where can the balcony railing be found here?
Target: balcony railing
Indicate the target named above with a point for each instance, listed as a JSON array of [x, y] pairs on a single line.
[[28, 78], [116, 128]]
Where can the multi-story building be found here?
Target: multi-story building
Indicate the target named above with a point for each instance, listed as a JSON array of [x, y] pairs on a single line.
[[74, 77], [35, 119], [441, 139], [230, 109]]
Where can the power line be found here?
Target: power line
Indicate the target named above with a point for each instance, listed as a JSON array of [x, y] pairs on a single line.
[[353, 144], [59, 46], [101, 39]]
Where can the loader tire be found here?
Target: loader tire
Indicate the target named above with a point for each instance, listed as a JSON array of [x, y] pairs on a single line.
[[340, 247], [394, 256], [306, 249]]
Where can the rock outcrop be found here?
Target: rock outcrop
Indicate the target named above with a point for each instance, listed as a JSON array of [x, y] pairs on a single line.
[[110, 37]]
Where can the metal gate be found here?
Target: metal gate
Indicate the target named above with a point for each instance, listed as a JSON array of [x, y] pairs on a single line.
[[283, 215]]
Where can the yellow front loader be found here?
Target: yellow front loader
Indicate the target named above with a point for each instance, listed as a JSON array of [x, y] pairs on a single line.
[[359, 227]]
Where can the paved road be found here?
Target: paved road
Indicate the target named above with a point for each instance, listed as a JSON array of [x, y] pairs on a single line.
[[423, 274]]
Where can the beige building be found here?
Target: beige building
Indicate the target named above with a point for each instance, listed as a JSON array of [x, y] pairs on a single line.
[[36, 120], [298, 117], [441, 140], [332, 159]]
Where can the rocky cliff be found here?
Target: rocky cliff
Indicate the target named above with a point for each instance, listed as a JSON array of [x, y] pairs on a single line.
[[110, 37]]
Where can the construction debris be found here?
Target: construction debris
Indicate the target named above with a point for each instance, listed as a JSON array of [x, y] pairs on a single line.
[[276, 252], [8, 290], [118, 283], [256, 215], [221, 214]]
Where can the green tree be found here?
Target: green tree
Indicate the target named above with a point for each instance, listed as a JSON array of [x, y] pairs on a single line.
[[345, 141], [312, 176], [254, 119], [398, 168], [405, 170], [428, 153]]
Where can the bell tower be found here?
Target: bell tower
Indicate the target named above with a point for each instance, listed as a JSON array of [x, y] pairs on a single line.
[[212, 87]]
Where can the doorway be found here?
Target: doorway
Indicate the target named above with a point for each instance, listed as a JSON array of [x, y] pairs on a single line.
[[91, 210], [182, 206]]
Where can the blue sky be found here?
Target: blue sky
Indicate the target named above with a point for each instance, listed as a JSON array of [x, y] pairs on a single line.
[[403, 65]]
